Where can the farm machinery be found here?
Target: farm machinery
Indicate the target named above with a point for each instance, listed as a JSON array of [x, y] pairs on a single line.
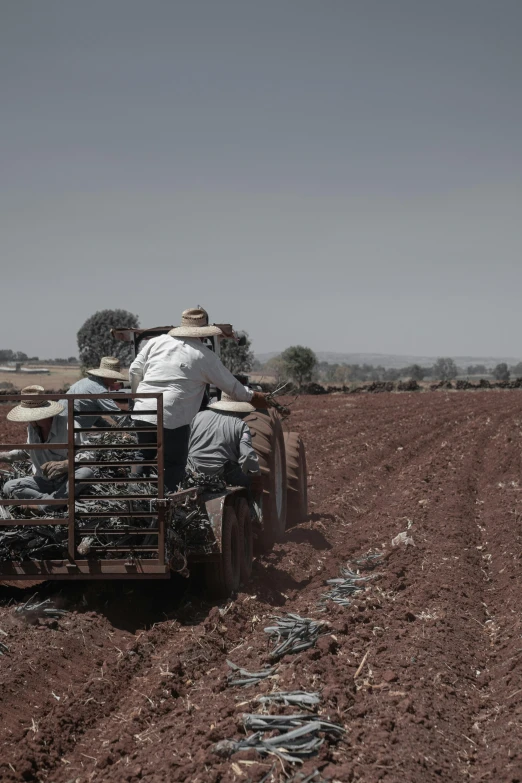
[[126, 526]]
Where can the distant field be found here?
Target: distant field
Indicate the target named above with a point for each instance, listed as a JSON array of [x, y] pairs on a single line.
[[58, 376]]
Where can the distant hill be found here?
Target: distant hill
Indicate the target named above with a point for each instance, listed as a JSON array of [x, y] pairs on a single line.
[[396, 361]]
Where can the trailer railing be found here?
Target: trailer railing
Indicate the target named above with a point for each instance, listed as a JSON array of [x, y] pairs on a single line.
[[74, 565]]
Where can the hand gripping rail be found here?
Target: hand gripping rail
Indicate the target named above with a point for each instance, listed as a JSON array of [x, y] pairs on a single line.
[[75, 566]]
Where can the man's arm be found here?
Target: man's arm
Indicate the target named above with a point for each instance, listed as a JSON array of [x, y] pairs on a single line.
[[216, 373], [17, 455], [136, 370], [108, 406], [247, 456]]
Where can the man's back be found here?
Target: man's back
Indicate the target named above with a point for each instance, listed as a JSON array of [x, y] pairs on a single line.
[[215, 439], [88, 386]]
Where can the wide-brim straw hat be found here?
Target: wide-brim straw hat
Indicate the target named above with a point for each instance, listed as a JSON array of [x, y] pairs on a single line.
[[226, 403], [109, 368], [34, 409], [194, 323]]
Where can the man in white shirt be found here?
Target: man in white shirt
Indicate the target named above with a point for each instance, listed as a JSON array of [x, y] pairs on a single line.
[[180, 366]]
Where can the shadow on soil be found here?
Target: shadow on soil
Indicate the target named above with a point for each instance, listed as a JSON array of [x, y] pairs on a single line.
[[304, 535], [127, 605]]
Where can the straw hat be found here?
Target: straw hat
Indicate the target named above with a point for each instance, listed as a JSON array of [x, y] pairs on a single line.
[[228, 404], [109, 368], [35, 409], [194, 323]]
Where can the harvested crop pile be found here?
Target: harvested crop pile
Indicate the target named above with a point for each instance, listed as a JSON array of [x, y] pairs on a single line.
[[418, 666]]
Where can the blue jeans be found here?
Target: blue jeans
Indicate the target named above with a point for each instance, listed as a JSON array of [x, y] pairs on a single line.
[[39, 487]]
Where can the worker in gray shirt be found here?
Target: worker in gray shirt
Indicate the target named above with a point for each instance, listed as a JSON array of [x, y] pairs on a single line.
[[220, 443], [99, 380], [46, 423]]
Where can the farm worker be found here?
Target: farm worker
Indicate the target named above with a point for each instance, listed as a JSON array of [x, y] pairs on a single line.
[[99, 380], [46, 423], [220, 443], [180, 366]]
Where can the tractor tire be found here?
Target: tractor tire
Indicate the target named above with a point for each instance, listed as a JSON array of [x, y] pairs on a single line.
[[223, 577], [246, 539], [269, 445], [296, 483]]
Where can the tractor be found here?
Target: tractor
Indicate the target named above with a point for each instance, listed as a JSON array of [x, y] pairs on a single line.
[[148, 534]]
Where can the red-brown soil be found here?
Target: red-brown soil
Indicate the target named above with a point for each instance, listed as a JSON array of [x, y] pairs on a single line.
[[131, 684]]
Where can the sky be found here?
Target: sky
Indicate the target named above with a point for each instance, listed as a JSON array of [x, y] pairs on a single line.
[[341, 174]]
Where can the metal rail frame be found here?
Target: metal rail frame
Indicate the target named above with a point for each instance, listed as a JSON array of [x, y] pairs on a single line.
[[93, 568]]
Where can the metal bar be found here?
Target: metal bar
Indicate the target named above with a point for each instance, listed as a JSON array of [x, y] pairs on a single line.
[[95, 576], [111, 514], [33, 502], [129, 548], [99, 430], [185, 493], [140, 531], [118, 463], [126, 480], [33, 521], [81, 568], [103, 396], [104, 447], [160, 457], [119, 497], [29, 446], [94, 412], [71, 456]]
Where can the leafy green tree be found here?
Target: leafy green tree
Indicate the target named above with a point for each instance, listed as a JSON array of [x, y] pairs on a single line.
[[299, 363], [415, 372], [95, 339], [238, 358], [501, 372], [444, 369], [516, 370]]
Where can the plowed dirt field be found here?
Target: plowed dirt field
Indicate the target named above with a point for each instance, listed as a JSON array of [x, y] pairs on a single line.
[[422, 669]]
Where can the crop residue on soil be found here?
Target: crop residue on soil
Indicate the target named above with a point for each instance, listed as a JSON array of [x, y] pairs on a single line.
[[421, 669]]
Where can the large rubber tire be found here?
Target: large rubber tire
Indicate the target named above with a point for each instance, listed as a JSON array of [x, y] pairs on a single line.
[[296, 479], [269, 445], [246, 539], [223, 577]]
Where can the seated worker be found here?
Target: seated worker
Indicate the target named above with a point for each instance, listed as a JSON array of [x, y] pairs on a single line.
[[220, 443], [46, 423], [99, 380]]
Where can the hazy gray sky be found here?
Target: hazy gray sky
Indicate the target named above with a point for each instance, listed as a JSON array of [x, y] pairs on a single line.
[[345, 174]]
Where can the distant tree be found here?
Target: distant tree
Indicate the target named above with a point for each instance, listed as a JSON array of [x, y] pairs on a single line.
[[299, 363], [72, 360], [444, 369], [501, 372], [392, 374], [95, 339], [516, 370], [275, 368], [6, 355], [477, 369], [237, 358], [20, 356], [415, 372]]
